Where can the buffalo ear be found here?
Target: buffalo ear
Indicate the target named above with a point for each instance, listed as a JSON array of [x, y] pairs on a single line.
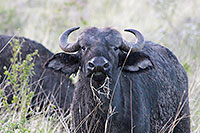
[[64, 63], [137, 62]]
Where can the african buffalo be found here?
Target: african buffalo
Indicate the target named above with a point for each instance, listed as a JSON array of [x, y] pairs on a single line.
[[45, 83], [123, 86]]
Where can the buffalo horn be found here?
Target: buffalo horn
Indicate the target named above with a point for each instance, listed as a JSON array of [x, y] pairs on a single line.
[[134, 46], [68, 47]]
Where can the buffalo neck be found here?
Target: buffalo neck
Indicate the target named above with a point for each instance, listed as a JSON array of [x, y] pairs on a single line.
[[91, 103]]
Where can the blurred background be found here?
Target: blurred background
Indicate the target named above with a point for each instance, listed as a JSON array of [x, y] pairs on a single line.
[[172, 23]]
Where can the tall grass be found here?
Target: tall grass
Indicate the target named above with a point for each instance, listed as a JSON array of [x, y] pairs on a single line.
[[15, 85], [173, 23], [16, 110]]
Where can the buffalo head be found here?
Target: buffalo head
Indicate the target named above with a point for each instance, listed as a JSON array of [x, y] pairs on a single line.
[[100, 53]]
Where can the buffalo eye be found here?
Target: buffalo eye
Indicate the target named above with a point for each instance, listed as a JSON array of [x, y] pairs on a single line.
[[115, 48]]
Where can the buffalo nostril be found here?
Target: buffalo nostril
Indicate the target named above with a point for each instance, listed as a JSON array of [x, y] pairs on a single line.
[[106, 65], [91, 65]]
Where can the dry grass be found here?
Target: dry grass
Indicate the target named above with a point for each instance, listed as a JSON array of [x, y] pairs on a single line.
[[173, 23]]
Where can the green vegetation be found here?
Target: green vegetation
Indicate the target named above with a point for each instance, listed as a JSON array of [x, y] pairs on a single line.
[[173, 23], [15, 116]]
